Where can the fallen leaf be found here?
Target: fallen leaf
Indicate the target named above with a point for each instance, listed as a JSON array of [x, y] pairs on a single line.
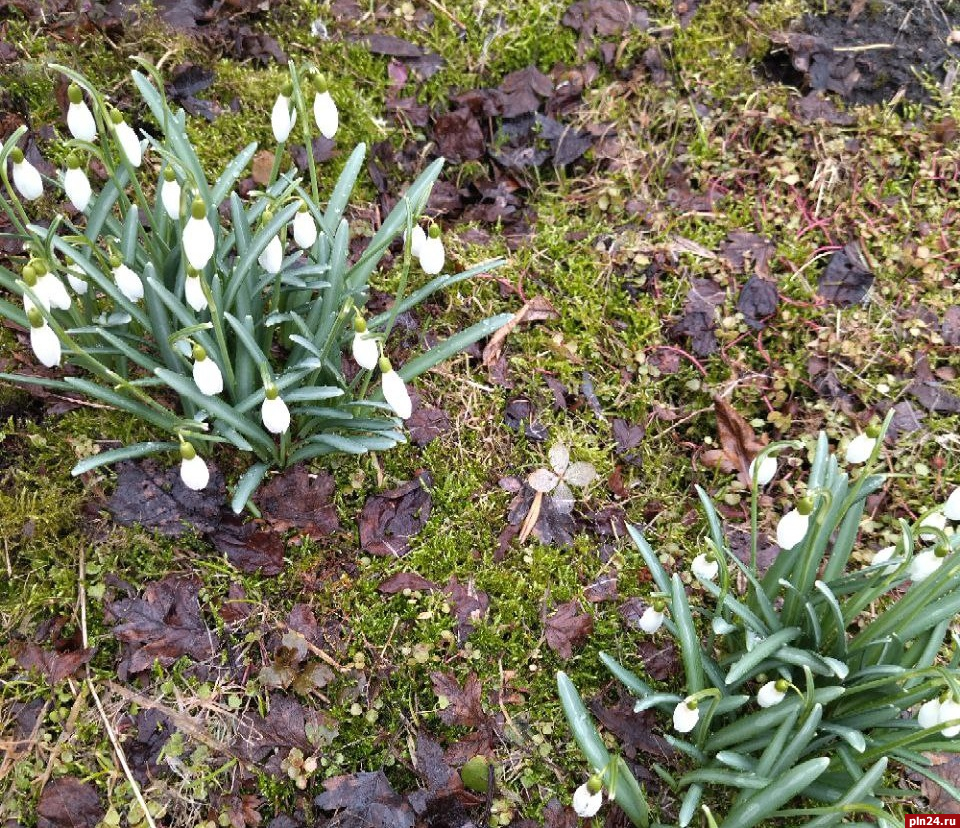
[[846, 279], [758, 301], [603, 589], [699, 319], [461, 706], [628, 437], [459, 136], [660, 661], [389, 520], [365, 800], [739, 443], [469, 605], [742, 249], [297, 499], [519, 414], [285, 726], [553, 526], [602, 18], [406, 580], [536, 309], [567, 628], [250, 546], [556, 815], [934, 397], [634, 731], [939, 801], [52, 665], [522, 90], [69, 803], [262, 167], [815, 106], [426, 424]]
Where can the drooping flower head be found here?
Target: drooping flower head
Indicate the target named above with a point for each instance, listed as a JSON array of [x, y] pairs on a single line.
[[283, 116], [686, 715], [80, 120], [274, 411], [26, 178], [304, 228], [43, 340], [415, 238], [395, 390], [792, 527], [76, 184], [127, 281], [772, 693], [49, 289], [766, 470], [325, 109], [198, 241], [432, 255], [271, 257], [193, 290], [127, 138], [926, 563], [951, 508], [588, 798], [193, 471], [929, 713], [170, 193], [705, 568], [652, 618], [206, 372], [366, 351], [861, 447], [77, 279]]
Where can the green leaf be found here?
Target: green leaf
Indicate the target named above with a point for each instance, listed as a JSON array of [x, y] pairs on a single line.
[[689, 805], [245, 263], [851, 736], [456, 343], [161, 419], [797, 746], [633, 683], [686, 636], [581, 725], [666, 701], [340, 196], [715, 776], [230, 174], [758, 807], [311, 393], [660, 577], [247, 485], [862, 789], [106, 458], [761, 650]]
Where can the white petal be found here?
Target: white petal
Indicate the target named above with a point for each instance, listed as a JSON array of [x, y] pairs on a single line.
[[685, 719], [77, 279], [580, 474], [366, 352], [396, 394], [951, 509], [325, 112], [193, 293], [128, 282], [768, 695], [651, 620], [542, 480], [282, 118], [207, 376], [27, 180], [935, 520], [275, 415], [586, 804], [45, 345], [198, 243], [949, 711], [559, 457], [860, 449], [417, 238], [304, 230], [170, 197], [194, 473], [768, 468], [52, 289], [271, 259], [129, 143], [924, 565], [431, 255], [929, 713], [77, 187], [721, 626], [80, 122], [792, 529], [704, 568], [884, 555]]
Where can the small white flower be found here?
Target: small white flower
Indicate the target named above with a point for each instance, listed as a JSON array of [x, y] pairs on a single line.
[[395, 391], [326, 115], [275, 414], [283, 116], [77, 279], [26, 178], [929, 713], [271, 259], [206, 374], [431, 255], [170, 194], [44, 341], [935, 520], [771, 693], [417, 237], [77, 187], [704, 568], [127, 138], [194, 473], [193, 292], [586, 803], [651, 620], [884, 555], [128, 282], [50, 288], [924, 565], [198, 241], [768, 468], [860, 448], [685, 716], [792, 529], [366, 351], [951, 509], [304, 229], [949, 711], [80, 120]]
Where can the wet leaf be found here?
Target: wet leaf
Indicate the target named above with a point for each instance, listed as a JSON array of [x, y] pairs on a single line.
[[284, 726], [602, 18], [297, 499], [554, 526], [390, 519], [461, 706], [520, 414], [758, 301], [939, 801], [406, 580], [426, 424], [934, 397], [603, 589], [743, 249], [846, 279], [469, 605], [365, 800], [634, 731], [739, 443], [628, 436], [459, 136], [542, 480], [69, 803], [250, 546], [567, 628], [522, 90], [536, 309], [814, 106], [52, 665]]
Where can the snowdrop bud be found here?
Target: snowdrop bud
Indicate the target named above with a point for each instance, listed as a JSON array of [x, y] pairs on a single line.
[[325, 113], [29, 276], [792, 528], [206, 373], [652, 618], [80, 120], [43, 340], [127, 138], [25, 176], [951, 509], [77, 279], [198, 243], [170, 194], [766, 471], [304, 228], [283, 116], [929, 713], [193, 471], [395, 391], [949, 711], [431, 252], [193, 290], [686, 715], [366, 351], [271, 259], [274, 411], [772, 693], [76, 185], [704, 568], [127, 281], [588, 798], [924, 565], [860, 448], [416, 238]]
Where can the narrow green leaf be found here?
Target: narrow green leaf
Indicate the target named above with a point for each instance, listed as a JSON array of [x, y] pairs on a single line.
[[761, 650], [861, 790], [340, 196], [687, 636], [456, 343], [759, 806], [161, 419], [230, 174], [247, 485], [633, 683], [106, 458], [715, 776], [660, 577], [689, 805]]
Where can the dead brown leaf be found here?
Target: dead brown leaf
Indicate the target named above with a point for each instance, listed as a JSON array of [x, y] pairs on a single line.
[[939, 801], [297, 499], [567, 628], [52, 665], [536, 309], [739, 443], [69, 803]]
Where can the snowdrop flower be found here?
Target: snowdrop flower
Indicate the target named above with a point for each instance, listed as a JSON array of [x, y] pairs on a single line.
[[274, 411], [193, 471], [935, 520], [652, 618], [206, 373], [127, 138], [193, 290], [75, 184], [25, 176], [198, 242], [431, 252], [79, 117], [793, 526], [772, 693], [283, 116], [43, 339], [722, 627], [704, 568], [304, 228], [766, 471], [884, 555], [271, 259], [127, 281], [416, 238], [686, 715], [860, 448], [170, 193], [588, 798], [49, 289], [929, 713], [325, 112], [395, 390], [29, 276], [77, 279], [949, 711], [951, 509], [366, 351], [752, 639], [926, 563]]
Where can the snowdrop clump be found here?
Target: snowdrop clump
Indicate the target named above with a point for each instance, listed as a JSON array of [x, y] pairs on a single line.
[[250, 310]]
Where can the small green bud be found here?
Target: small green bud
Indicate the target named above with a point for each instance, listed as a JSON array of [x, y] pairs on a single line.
[[169, 174], [36, 318], [199, 354], [319, 83], [873, 431], [74, 93], [692, 704], [805, 505], [40, 266], [434, 231], [115, 261], [782, 685], [942, 550], [29, 275], [16, 155], [594, 784], [187, 451], [385, 365], [199, 209], [659, 605], [73, 163], [475, 775], [359, 325], [115, 116], [270, 391], [192, 272]]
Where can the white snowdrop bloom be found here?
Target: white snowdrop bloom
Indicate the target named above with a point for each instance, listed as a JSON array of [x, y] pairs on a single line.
[[326, 114], [704, 568], [274, 412], [860, 448], [43, 340], [768, 468], [772, 693], [26, 178], [949, 711], [170, 194], [198, 241], [929, 713], [951, 508], [587, 802], [206, 373], [792, 529], [128, 282], [80, 120], [51, 288], [884, 555], [193, 471], [416, 239], [395, 390], [924, 565], [935, 520], [77, 279], [76, 185], [365, 349], [283, 116], [686, 715], [651, 620], [193, 291], [271, 259], [432, 255], [304, 228], [29, 276], [127, 138]]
